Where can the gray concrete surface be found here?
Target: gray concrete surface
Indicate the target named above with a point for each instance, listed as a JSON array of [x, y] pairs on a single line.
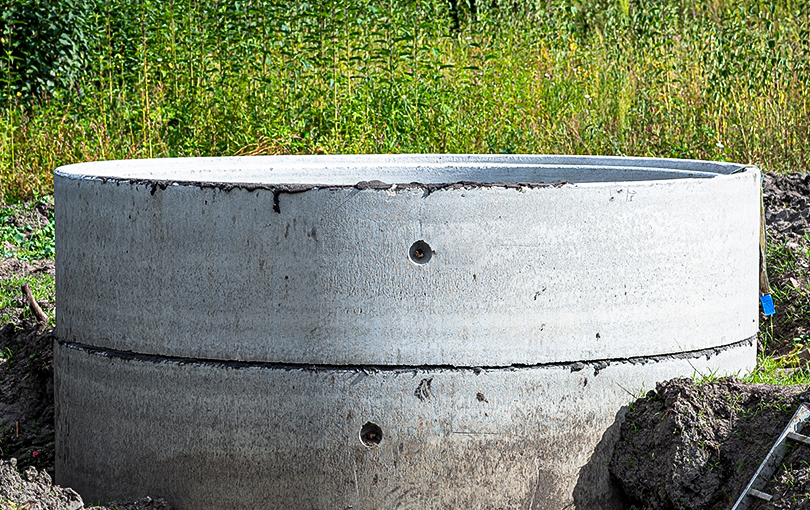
[[195, 293], [519, 276], [209, 436]]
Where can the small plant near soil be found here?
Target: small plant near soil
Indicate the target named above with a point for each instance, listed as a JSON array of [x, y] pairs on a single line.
[[707, 377], [790, 481], [7, 504], [774, 371], [733, 401], [27, 230], [11, 301]]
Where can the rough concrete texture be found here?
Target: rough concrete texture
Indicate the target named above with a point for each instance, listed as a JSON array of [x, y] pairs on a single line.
[[268, 325], [209, 436], [517, 276]]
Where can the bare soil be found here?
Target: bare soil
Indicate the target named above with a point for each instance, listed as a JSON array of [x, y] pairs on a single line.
[[686, 445]]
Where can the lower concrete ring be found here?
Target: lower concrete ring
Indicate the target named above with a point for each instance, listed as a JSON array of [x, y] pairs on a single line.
[[213, 435]]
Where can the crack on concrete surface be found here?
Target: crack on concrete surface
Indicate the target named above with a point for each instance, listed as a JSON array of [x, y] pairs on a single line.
[[279, 189], [574, 366]]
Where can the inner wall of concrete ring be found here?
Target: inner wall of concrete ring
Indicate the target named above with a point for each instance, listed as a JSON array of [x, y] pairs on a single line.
[[211, 437], [586, 271], [225, 344]]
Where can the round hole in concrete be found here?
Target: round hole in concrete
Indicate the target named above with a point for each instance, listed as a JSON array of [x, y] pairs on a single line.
[[371, 434], [420, 253]]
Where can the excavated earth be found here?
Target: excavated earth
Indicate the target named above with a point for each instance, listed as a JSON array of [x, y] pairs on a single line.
[[686, 445], [689, 445]]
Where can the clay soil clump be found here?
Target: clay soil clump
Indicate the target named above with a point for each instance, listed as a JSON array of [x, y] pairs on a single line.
[[690, 445]]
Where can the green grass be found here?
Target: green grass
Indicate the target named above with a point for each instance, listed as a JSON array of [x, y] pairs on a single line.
[[29, 241], [674, 78], [774, 372]]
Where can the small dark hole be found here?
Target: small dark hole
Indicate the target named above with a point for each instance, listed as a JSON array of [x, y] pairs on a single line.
[[420, 253], [371, 434]]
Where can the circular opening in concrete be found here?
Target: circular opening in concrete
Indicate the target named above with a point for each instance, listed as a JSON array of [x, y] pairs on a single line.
[[380, 171], [371, 434], [420, 253]]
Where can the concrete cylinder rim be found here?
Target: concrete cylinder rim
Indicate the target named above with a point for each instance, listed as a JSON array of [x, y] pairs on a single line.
[[397, 169], [679, 227]]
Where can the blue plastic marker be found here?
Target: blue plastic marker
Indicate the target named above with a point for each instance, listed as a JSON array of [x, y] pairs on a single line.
[[767, 304]]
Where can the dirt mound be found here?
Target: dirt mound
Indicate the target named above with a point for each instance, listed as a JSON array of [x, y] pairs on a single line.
[[34, 490], [696, 446], [787, 206]]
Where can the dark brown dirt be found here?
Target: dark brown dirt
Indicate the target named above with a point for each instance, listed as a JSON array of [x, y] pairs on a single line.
[[688, 445], [787, 206], [11, 266], [26, 394], [790, 485]]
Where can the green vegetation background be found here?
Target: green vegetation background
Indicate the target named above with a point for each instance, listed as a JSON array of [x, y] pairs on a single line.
[[103, 79]]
